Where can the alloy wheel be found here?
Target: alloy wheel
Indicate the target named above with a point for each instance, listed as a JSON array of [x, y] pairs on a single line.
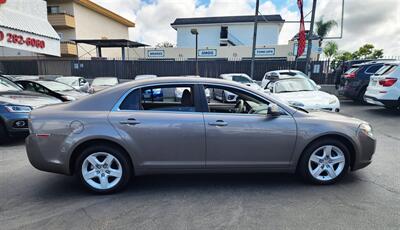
[[326, 163], [101, 170]]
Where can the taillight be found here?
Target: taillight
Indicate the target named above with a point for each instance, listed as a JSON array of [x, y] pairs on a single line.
[[387, 82], [350, 75]]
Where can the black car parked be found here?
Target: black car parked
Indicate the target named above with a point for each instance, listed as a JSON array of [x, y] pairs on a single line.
[[56, 89], [356, 79]]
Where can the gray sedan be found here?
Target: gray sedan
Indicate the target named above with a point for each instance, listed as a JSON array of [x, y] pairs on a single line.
[[107, 138]]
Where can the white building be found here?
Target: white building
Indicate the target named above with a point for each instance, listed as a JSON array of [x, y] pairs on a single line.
[[24, 29], [228, 31]]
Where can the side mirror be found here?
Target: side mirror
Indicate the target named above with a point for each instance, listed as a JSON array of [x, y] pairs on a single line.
[[318, 87], [273, 110]]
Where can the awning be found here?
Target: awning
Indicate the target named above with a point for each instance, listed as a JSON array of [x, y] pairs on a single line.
[[24, 25]]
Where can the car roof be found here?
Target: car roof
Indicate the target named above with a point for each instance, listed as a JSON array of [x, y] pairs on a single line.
[[379, 61], [104, 77]]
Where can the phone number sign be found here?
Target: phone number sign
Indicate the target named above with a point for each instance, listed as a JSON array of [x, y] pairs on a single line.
[[17, 39]]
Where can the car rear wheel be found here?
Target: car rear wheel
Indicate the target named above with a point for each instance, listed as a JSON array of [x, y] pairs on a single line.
[[103, 169], [324, 162]]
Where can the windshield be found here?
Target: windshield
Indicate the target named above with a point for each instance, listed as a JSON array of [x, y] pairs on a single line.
[[241, 79], [293, 85], [105, 81], [68, 80], [56, 86], [7, 85]]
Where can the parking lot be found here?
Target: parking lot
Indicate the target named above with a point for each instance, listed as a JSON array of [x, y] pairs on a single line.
[[366, 199]]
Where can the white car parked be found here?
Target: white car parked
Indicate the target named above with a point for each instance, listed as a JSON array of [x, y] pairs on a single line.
[[78, 83], [242, 78], [384, 86], [145, 76], [303, 93], [278, 74]]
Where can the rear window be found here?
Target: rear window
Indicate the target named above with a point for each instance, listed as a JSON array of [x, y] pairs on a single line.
[[386, 69], [351, 70], [372, 69]]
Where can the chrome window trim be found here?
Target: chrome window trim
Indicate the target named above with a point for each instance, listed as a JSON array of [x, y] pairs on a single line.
[[122, 98]]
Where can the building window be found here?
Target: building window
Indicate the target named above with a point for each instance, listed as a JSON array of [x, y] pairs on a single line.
[[224, 32], [53, 10]]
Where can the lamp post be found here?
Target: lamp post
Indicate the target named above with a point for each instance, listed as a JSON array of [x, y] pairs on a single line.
[[196, 33]]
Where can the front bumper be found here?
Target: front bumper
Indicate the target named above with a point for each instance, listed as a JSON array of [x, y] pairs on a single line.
[[16, 124], [366, 150]]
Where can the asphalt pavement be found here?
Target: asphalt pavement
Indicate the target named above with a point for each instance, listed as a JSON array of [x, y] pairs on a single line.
[[365, 199]]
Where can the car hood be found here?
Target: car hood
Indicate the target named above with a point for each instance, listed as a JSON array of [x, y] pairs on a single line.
[[308, 98], [73, 93], [98, 88], [253, 85], [328, 116], [31, 99]]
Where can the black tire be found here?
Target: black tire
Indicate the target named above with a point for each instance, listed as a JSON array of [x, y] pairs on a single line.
[[117, 153], [303, 170], [4, 137], [360, 97]]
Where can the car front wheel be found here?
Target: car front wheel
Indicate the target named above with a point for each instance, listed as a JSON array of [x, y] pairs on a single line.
[[103, 169], [324, 162]]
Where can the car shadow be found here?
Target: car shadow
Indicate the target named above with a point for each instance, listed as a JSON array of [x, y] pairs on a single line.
[[16, 141], [385, 112], [59, 187]]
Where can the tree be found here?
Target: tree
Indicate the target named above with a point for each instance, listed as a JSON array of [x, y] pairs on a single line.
[[323, 28], [164, 45], [330, 50], [368, 51]]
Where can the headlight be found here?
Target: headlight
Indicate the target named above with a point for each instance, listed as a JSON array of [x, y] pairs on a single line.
[[332, 101], [367, 129], [68, 98], [18, 108], [296, 103]]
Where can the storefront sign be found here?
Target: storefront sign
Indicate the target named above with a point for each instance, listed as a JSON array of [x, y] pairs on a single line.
[[207, 53], [263, 52], [20, 40], [155, 53]]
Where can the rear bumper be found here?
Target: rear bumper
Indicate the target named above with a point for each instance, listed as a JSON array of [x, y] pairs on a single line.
[[43, 155], [381, 102]]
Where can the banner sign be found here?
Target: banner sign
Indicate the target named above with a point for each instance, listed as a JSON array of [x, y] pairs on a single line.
[[263, 52], [155, 53], [207, 53]]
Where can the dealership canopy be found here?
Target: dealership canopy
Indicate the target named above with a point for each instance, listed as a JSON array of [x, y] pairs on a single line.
[[24, 26]]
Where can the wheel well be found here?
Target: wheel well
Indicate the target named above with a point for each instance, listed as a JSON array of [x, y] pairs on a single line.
[[342, 139], [86, 144]]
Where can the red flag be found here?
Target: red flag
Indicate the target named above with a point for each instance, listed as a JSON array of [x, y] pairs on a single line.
[[302, 32]]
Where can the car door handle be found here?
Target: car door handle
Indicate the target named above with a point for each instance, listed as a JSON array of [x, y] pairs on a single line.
[[218, 123], [130, 121]]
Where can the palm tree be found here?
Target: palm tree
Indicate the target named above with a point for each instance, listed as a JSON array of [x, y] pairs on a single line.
[[323, 28], [330, 50]]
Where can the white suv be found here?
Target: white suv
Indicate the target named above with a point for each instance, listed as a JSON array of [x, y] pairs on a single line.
[[384, 86]]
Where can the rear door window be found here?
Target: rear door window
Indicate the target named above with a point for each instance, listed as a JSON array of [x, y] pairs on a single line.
[[372, 69], [351, 70]]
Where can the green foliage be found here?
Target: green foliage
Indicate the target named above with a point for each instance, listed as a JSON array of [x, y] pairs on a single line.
[[331, 49], [323, 28], [366, 51], [164, 45]]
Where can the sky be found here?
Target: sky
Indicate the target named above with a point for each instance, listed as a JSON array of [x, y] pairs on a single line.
[[365, 21]]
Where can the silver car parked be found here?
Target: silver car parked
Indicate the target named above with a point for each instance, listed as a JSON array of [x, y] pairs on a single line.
[[107, 138]]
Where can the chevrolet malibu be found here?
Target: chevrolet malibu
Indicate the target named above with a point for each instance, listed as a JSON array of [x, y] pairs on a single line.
[[107, 138]]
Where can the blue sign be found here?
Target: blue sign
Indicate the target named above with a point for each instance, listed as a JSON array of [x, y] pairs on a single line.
[[155, 53], [207, 53], [263, 52]]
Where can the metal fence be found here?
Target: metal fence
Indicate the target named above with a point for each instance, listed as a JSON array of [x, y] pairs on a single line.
[[129, 69]]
